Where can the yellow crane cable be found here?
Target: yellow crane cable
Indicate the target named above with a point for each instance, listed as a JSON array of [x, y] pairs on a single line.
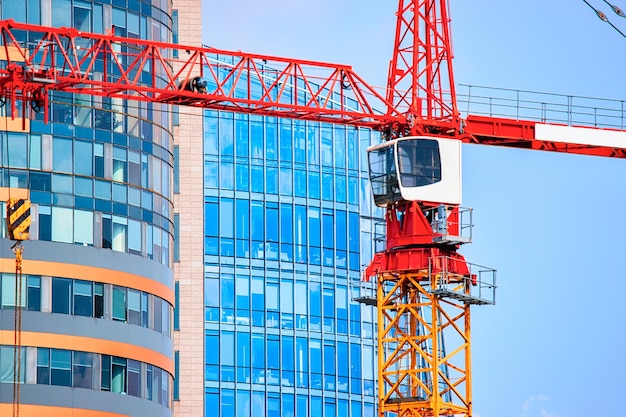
[[17, 312], [17, 341]]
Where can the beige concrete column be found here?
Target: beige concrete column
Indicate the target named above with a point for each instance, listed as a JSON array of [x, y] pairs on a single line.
[[189, 204]]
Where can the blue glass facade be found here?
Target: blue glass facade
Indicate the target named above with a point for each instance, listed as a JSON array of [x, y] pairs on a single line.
[[289, 224]]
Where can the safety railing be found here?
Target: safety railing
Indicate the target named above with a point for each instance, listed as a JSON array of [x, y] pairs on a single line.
[[379, 234], [541, 107], [466, 282], [451, 226], [363, 291]]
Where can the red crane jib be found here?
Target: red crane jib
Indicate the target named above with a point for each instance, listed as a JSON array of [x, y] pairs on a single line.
[[65, 59]]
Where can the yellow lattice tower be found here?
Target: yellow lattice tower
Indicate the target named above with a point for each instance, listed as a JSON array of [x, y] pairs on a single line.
[[419, 375]]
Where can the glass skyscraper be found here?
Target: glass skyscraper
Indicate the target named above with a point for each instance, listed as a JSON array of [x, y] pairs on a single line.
[[288, 225], [97, 292]]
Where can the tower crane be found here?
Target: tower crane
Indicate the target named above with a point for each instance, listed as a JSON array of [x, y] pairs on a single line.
[[424, 287]]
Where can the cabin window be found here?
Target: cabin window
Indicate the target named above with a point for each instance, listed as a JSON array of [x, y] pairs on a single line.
[[419, 162]]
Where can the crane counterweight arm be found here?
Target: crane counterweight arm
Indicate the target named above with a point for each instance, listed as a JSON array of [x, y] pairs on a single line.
[[524, 134]]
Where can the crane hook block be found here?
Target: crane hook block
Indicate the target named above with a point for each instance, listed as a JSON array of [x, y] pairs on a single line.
[[18, 218]]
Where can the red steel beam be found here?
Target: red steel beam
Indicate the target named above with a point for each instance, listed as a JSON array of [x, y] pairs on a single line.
[[66, 59]]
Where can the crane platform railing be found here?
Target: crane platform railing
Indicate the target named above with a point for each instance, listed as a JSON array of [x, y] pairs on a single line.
[[476, 287], [364, 292], [542, 107], [456, 228]]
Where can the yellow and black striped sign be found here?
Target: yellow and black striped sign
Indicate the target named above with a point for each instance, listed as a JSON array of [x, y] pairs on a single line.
[[18, 218]]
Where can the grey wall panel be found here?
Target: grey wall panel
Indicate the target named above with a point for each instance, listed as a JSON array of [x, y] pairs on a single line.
[[90, 256], [55, 396], [34, 321]]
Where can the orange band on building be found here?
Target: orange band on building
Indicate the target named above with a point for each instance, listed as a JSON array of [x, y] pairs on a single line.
[[30, 410], [89, 344], [90, 273], [6, 192]]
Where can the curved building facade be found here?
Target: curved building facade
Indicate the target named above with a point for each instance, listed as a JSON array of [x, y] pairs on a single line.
[[97, 296]]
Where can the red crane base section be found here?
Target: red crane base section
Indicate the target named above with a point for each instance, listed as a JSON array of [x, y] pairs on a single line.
[[412, 243], [417, 259]]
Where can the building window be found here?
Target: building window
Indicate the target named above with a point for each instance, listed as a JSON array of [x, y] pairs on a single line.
[[175, 34], [43, 366], [176, 169], [228, 403], [105, 373], [119, 233], [62, 224], [119, 164], [149, 382], [227, 356], [166, 318], [134, 237], [175, 108], [134, 378], [145, 314], [157, 315], [83, 299], [300, 304], [14, 11], [82, 367], [243, 357], [134, 307], [119, 304], [33, 293], [287, 359], [211, 360], [62, 152], [118, 375], [83, 227], [176, 306], [176, 237], [98, 300], [134, 168], [165, 389], [61, 367], [61, 295], [176, 375], [8, 291]]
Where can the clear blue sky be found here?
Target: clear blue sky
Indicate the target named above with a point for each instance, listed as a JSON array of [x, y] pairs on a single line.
[[553, 225]]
